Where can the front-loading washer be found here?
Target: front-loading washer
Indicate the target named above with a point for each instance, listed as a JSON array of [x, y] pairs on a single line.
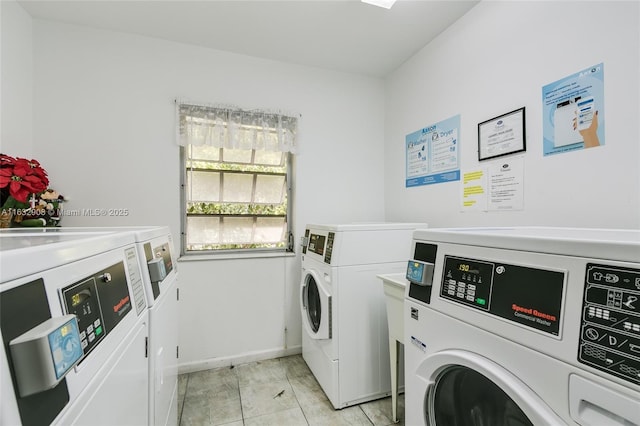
[[523, 326], [345, 334], [94, 279]]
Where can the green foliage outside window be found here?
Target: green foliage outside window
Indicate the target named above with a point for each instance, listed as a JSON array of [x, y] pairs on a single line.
[[237, 209]]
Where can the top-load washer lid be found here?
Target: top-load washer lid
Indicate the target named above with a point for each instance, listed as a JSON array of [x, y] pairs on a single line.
[[367, 226], [155, 248], [359, 243], [141, 233], [613, 244], [48, 230], [27, 230], [54, 230], [49, 250]]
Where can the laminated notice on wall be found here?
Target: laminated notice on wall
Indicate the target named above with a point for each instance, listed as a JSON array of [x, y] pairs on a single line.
[[474, 190], [497, 187], [506, 185], [573, 112], [433, 153]]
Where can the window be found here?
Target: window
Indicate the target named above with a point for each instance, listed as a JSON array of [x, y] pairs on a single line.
[[236, 188]]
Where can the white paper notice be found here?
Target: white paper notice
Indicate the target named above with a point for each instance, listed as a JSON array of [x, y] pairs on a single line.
[[506, 186]]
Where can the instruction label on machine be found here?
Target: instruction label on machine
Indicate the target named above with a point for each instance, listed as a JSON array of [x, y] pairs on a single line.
[[610, 330]]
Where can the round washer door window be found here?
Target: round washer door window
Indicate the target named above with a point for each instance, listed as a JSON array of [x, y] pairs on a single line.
[[314, 308], [463, 397]]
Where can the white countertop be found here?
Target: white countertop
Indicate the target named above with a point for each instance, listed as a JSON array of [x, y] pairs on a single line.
[[396, 280]]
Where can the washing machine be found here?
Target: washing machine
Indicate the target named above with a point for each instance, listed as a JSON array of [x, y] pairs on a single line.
[[154, 246], [345, 335], [74, 327], [523, 326]]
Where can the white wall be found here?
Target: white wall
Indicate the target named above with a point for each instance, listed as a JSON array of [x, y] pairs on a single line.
[[103, 127], [16, 100], [105, 131], [496, 59]]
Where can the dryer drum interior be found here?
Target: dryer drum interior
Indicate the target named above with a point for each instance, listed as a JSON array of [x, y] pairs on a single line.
[[313, 303], [463, 397]]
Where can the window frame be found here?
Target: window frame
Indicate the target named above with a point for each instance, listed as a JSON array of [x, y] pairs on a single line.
[[244, 252]]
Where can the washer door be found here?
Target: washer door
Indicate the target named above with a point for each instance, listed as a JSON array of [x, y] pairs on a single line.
[[316, 306], [466, 389]]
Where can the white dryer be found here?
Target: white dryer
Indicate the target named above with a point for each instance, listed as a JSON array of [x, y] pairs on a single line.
[[92, 369], [523, 326], [345, 334]]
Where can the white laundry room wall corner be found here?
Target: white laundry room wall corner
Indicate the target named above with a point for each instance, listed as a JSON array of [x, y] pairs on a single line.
[[16, 84], [496, 59]]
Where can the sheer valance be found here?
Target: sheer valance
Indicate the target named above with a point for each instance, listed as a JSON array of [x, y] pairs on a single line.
[[226, 127]]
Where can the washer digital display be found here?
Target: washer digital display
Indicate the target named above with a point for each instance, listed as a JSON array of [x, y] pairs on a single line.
[[82, 301], [316, 244]]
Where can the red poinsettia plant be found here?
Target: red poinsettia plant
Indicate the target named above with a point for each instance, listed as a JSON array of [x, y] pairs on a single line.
[[25, 199], [19, 178]]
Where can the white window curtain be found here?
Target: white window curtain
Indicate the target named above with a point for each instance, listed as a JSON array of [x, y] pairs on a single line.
[[228, 127]]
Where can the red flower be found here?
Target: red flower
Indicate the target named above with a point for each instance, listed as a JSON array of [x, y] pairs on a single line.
[[22, 176], [37, 170], [6, 161]]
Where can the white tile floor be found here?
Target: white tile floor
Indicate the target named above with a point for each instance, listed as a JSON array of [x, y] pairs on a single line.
[[278, 392]]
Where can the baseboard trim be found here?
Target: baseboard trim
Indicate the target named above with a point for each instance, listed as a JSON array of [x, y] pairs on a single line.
[[208, 364]]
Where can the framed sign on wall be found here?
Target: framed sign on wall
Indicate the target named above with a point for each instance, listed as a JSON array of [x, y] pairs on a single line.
[[502, 135]]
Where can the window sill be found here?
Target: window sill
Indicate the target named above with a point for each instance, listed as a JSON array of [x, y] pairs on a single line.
[[233, 256]]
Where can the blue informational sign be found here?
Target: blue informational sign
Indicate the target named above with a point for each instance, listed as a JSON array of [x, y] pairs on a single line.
[[573, 112], [433, 154]]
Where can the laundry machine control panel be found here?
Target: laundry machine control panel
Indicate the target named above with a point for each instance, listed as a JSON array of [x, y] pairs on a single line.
[[425, 253], [331, 237], [316, 244], [528, 296], [100, 302], [159, 264], [163, 251], [320, 244], [610, 327]]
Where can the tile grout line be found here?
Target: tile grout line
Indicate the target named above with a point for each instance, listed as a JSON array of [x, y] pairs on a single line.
[[366, 415], [286, 373], [184, 398], [235, 374]]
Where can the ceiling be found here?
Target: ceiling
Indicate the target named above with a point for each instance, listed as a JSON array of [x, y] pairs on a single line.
[[341, 35]]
